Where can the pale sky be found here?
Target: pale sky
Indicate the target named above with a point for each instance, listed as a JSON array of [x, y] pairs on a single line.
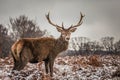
[[102, 17]]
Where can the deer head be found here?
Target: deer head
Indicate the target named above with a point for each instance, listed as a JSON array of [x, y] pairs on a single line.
[[65, 33]]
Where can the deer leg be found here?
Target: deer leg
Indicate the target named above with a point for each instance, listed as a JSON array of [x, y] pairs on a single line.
[[19, 65], [22, 65], [14, 68], [46, 66], [16, 65], [24, 58], [15, 62], [51, 63]]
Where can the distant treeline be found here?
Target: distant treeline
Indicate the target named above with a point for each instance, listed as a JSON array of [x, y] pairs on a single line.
[[83, 45]]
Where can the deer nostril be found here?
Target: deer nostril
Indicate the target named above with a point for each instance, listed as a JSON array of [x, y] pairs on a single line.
[[67, 38]]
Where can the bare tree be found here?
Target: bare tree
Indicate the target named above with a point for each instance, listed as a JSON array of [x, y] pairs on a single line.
[[79, 44], [5, 41], [85, 45], [22, 27], [117, 46], [108, 43], [94, 46], [1, 28], [73, 45]]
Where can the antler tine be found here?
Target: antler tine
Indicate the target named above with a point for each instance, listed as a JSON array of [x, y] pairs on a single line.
[[62, 25], [80, 21], [48, 18]]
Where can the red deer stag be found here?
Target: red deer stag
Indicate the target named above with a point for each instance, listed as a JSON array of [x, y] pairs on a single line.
[[34, 50]]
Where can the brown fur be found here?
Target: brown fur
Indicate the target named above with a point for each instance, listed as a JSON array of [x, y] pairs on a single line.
[[37, 49]]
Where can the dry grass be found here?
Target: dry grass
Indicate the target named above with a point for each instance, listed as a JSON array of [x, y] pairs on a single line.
[[93, 67], [95, 60], [116, 73]]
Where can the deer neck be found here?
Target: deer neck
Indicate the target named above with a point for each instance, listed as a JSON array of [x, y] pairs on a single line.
[[61, 45]]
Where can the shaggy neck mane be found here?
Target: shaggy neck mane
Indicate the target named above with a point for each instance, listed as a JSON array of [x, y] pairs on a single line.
[[61, 44]]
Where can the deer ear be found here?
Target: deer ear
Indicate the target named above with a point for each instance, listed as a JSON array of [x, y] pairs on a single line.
[[59, 29], [72, 29]]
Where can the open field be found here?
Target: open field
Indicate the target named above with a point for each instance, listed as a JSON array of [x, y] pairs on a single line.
[[94, 67]]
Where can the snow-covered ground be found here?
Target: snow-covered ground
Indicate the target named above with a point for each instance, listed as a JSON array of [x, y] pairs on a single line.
[[66, 68]]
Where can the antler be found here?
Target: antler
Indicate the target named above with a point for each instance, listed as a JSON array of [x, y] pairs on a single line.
[[48, 18], [79, 23]]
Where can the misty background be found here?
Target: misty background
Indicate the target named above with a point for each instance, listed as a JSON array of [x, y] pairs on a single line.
[[94, 49], [102, 17]]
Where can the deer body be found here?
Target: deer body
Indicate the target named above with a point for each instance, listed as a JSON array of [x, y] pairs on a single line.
[[34, 50], [37, 49]]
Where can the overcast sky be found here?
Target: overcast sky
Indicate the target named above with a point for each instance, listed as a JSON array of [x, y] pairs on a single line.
[[102, 17]]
